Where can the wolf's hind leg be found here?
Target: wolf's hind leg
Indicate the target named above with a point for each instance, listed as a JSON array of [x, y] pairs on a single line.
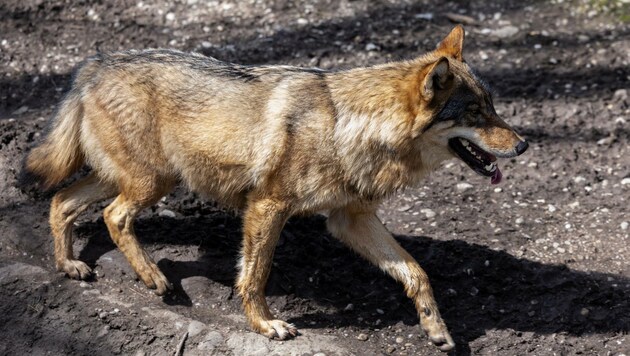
[[66, 206], [119, 216], [360, 229], [262, 223]]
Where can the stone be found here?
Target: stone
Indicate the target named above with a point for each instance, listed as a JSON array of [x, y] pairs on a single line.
[[505, 32], [210, 341], [195, 328], [362, 337], [463, 186], [167, 213], [18, 271]]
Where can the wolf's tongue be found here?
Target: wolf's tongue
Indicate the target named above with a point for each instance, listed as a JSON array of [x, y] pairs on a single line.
[[496, 177]]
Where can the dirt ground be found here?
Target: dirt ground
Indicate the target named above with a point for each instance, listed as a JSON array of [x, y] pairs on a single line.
[[537, 265]]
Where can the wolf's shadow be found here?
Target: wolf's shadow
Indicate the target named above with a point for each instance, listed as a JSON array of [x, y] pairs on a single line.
[[477, 288]]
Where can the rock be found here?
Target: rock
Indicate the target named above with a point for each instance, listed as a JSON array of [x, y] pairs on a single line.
[[425, 16], [405, 208], [362, 337], [463, 186], [391, 349], [319, 354], [583, 38], [380, 311], [211, 341], [625, 181], [505, 32], [195, 328], [167, 213], [170, 16], [400, 340], [349, 307], [620, 95], [551, 208], [302, 21], [458, 18], [21, 110], [428, 213], [104, 331], [371, 47], [584, 311], [624, 225], [19, 271]]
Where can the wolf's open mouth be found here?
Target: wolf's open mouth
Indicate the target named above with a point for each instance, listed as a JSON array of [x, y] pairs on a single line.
[[479, 160]]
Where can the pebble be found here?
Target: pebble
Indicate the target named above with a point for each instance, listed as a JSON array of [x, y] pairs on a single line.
[[84, 284], [583, 38], [519, 221], [624, 225], [400, 340], [302, 21], [206, 44], [170, 16], [584, 311], [405, 208], [424, 16], [167, 213], [505, 32], [380, 311], [551, 208], [391, 349], [428, 213], [620, 95], [625, 181], [463, 186], [349, 307], [21, 110], [371, 47], [319, 354], [483, 55], [362, 337], [474, 291], [212, 340], [195, 328]]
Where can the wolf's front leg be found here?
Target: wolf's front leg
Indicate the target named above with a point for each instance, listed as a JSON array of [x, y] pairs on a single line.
[[359, 227], [262, 223]]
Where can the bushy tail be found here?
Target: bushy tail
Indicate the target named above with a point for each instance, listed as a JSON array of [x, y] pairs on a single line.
[[59, 155]]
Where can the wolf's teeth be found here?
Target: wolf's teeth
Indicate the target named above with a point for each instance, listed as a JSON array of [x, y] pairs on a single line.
[[491, 167]]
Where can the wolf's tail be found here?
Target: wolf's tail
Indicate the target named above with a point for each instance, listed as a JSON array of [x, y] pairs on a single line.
[[60, 154]]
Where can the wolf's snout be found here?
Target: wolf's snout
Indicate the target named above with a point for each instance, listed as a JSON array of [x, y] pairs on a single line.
[[521, 147]]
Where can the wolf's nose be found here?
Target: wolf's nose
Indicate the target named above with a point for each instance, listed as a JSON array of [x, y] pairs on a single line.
[[521, 147]]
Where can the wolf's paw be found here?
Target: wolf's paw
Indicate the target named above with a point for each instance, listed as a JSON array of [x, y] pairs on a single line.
[[75, 269], [153, 278], [443, 341], [438, 334], [277, 329]]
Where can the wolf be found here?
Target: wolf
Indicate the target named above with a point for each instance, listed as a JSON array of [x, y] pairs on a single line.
[[272, 142]]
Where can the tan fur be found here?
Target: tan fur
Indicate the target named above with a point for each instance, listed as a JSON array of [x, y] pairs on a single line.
[[274, 141]]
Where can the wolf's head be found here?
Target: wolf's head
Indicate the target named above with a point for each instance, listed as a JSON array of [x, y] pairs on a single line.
[[456, 115]]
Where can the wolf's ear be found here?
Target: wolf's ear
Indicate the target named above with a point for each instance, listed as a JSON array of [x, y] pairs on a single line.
[[438, 78], [453, 44]]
